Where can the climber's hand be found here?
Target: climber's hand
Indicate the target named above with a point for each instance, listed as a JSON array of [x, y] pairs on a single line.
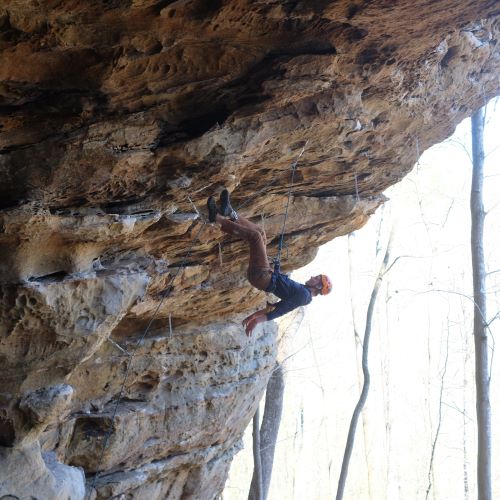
[[253, 320]]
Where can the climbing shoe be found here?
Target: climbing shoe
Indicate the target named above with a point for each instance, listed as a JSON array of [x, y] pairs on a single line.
[[212, 209], [225, 206]]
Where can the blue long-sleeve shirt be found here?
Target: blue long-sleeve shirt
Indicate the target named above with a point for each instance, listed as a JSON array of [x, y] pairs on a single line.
[[291, 293]]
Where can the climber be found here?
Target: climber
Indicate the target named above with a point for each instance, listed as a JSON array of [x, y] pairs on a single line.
[[259, 273]]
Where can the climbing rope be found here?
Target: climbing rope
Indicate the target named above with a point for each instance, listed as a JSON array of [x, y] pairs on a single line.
[[417, 145], [294, 168], [271, 183], [356, 188], [132, 354]]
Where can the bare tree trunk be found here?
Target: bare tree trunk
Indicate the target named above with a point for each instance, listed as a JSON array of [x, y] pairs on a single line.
[[483, 408], [268, 433], [366, 385], [270, 425], [264, 440], [256, 486], [358, 347]]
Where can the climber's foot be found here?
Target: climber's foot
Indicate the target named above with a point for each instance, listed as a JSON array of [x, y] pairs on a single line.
[[225, 206], [212, 209]]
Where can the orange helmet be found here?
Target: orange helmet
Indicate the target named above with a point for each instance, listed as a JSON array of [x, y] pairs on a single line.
[[326, 284]]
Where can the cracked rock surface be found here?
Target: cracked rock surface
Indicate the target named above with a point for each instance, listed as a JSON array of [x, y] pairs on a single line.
[[117, 120]]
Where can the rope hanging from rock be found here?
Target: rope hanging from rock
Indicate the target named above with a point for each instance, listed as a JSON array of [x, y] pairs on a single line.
[[132, 354], [294, 168]]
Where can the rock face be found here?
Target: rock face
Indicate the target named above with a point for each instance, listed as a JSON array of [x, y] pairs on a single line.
[[117, 120]]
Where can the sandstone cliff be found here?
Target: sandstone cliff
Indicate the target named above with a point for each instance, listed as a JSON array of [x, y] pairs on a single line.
[[118, 118]]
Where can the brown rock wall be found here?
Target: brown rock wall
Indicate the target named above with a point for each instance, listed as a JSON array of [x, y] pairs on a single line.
[[117, 120]]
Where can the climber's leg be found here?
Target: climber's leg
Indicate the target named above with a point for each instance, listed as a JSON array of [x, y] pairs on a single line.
[[259, 272], [251, 225]]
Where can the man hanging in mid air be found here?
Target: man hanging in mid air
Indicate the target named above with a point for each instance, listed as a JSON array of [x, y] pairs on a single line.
[[260, 274]]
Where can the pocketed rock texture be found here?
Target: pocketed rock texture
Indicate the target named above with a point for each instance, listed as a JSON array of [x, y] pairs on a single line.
[[117, 120]]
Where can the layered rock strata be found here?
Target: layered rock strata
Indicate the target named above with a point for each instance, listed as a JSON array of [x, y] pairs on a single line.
[[117, 120]]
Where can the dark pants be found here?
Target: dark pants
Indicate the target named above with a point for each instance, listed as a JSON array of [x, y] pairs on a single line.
[[259, 271]]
